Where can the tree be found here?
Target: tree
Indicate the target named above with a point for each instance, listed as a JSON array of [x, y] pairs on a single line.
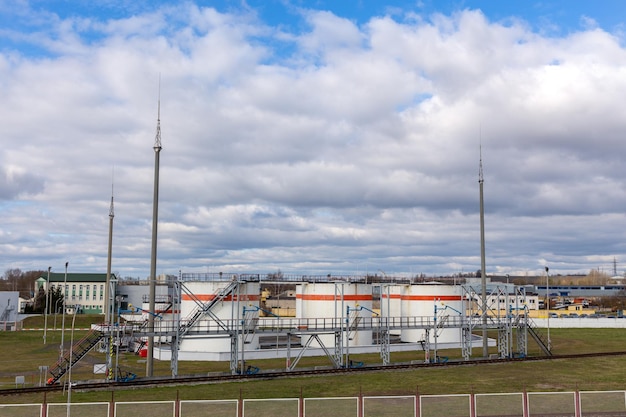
[[595, 277], [39, 304], [17, 280], [55, 301], [11, 278]]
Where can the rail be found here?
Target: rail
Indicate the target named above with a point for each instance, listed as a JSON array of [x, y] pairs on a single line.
[[193, 380]]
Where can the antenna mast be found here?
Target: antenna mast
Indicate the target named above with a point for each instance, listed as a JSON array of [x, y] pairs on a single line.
[[109, 294], [483, 272], [153, 256], [109, 290]]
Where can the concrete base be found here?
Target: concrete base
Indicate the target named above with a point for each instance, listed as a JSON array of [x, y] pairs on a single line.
[[165, 354]]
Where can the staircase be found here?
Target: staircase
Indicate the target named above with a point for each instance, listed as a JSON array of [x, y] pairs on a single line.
[[77, 352], [539, 337], [353, 324], [205, 308], [441, 324], [250, 323]]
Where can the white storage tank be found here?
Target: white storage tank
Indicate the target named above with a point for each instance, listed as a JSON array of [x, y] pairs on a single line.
[[428, 300], [391, 303], [229, 310], [329, 304]]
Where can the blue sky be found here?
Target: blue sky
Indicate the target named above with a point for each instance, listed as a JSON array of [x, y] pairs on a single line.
[[314, 137], [551, 18]]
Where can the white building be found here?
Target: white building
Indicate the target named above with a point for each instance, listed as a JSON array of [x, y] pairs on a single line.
[[84, 290]]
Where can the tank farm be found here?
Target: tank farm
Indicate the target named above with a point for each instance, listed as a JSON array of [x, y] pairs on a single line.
[[235, 318]]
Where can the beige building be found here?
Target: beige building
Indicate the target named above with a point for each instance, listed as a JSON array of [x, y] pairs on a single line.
[[83, 291]]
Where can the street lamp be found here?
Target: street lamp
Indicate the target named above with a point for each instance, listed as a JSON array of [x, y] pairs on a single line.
[[56, 311], [548, 305], [69, 375], [63, 312], [45, 312]]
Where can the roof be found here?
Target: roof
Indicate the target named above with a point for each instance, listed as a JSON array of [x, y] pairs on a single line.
[[77, 277]]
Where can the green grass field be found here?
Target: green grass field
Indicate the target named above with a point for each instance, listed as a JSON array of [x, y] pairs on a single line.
[[24, 352]]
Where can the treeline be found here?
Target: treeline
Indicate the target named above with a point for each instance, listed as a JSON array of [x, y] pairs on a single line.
[[21, 281], [24, 283]]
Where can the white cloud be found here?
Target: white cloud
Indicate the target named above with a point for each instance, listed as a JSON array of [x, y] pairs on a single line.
[[338, 147]]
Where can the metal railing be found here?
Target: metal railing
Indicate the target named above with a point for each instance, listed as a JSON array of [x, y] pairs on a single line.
[[523, 404]]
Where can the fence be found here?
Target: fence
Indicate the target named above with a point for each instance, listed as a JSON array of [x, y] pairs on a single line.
[[531, 404]]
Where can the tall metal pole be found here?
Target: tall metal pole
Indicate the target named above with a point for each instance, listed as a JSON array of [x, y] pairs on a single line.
[[109, 295], [153, 256], [69, 375], [483, 272], [548, 305], [107, 289], [45, 313], [65, 291]]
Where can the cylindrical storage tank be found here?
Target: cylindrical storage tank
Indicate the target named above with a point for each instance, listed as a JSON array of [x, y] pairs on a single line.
[[341, 305], [229, 310], [391, 304], [436, 303]]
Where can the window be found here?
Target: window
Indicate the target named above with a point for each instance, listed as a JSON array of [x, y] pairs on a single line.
[[80, 292], [94, 292], [73, 291], [86, 292], [101, 292]]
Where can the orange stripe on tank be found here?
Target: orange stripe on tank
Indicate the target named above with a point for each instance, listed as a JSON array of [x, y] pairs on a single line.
[[332, 297], [392, 296], [432, 297]]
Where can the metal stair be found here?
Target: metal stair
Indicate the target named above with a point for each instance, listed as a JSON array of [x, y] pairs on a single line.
[[538, 336], [203, 309], [353, 324], [250, 323], [77, 352], [441, 323]]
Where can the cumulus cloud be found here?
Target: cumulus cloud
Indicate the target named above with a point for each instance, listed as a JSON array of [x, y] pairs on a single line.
[[16, 183], [336, 146]]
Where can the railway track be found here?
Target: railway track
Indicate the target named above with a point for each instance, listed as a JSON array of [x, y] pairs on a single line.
[[207, 379]]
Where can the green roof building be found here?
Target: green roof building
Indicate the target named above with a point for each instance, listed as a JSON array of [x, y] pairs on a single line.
[[86, 292]]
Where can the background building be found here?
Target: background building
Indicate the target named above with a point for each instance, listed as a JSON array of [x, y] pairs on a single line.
[[83, 291]]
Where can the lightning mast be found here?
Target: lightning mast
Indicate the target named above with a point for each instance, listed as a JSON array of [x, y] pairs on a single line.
[[153, 256], [483, 272], [108, 294]]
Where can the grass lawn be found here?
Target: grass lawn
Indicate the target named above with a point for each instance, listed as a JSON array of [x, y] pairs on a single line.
[[24, 352]]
